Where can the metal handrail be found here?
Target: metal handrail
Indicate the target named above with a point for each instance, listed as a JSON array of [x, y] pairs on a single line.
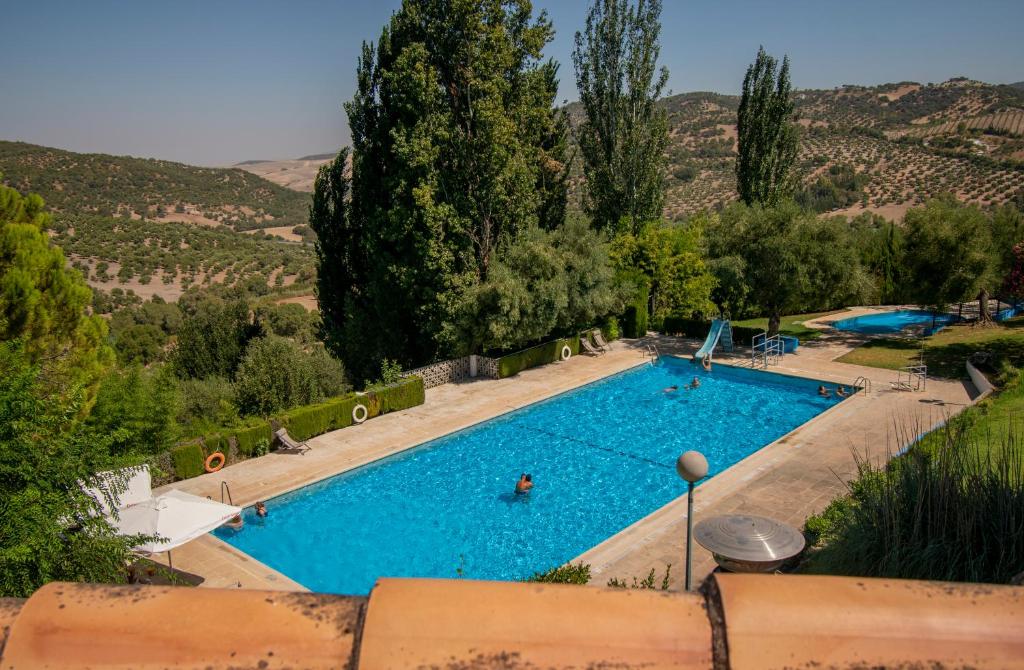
[[224, 487], [864, 383]]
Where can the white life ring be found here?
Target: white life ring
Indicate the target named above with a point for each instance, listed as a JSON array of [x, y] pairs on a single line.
[[360, 416], [566, 352]]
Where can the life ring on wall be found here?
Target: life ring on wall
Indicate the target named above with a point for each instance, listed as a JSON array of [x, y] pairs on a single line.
[[566, 352], [360, 416], [215, 456]]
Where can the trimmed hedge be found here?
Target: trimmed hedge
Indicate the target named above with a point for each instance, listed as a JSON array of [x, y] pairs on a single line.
[[188, 460], [306, 422], [247, 439], [407, 393], [215, 442], [634, 321], [549, 352]]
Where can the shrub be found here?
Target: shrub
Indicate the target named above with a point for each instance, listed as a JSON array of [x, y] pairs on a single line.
[[210, 400], [216, 442], [549, 352], [610, 328], [188, 460], [135, 411], [276, 374], [645, 583], [634, 321], [250, 440], [949, 509], [306, 422], [578, 573]]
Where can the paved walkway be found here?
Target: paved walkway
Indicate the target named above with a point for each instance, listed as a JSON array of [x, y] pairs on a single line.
[[789, 480]]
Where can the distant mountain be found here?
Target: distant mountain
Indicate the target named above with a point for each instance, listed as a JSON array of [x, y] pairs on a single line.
[[319, 157], [1019, 84]]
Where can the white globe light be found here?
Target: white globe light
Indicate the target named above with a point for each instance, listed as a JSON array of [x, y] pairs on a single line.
[[692, 466]]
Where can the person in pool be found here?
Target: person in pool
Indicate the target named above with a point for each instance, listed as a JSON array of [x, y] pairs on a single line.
[[524, 484], [841, 391], [261, 509], [669, 389], [823, 392], [694, 385]]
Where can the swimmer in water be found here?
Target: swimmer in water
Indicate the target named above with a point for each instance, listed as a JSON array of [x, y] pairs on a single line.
[[524, 484]]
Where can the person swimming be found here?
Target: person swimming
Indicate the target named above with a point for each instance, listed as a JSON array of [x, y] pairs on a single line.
[[823, 392], [524, 484], [694, 385], [706, 362], [841, 391], [670, 389], [261, 509]]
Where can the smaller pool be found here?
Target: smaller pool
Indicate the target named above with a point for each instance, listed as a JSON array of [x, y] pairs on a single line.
[[895, 322]]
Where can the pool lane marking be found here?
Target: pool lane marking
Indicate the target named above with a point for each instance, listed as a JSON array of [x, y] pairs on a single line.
[[595, 446]]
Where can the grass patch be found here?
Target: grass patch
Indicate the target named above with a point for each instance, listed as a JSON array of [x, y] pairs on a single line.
[[946, 351], [790, 325]]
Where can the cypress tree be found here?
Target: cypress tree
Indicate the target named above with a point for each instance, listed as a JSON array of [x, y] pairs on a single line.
[[623, 135], [766, 133]]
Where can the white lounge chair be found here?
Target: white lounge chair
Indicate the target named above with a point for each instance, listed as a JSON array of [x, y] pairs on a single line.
[[288, 443]]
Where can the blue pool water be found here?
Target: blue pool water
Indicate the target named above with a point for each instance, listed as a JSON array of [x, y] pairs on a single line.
[[602, 457], [893, 322]]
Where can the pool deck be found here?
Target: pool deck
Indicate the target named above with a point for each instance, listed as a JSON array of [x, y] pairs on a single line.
[[790, 479]]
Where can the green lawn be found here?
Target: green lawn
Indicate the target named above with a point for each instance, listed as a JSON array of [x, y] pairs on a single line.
[[790, 325], [945, 352]]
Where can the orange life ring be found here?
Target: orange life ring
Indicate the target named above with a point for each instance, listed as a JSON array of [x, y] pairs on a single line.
[[215, 456]]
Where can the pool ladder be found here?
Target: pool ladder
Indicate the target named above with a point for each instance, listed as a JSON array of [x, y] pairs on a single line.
[[224, 488], [863, 384], [652, 351]]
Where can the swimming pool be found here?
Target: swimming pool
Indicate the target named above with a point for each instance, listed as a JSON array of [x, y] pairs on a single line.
[[602, 457], [894, 322]]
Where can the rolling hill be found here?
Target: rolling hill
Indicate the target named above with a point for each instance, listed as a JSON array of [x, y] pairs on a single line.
[[157, 228], [894, 145]]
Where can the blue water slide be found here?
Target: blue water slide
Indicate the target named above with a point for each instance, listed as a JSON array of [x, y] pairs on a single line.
[[711, 341]]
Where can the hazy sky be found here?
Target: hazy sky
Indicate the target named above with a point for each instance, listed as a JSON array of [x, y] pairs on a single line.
[[214, 82]]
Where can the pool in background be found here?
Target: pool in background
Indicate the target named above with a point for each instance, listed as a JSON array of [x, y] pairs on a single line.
[[602, 457], [894, 322]]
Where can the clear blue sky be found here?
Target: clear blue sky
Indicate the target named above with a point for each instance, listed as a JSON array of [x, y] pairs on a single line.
[[214, 82]]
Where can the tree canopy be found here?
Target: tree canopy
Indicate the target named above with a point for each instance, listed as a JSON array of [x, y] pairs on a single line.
[[766, 134], [42, 301], [623, 135], [457, 153]]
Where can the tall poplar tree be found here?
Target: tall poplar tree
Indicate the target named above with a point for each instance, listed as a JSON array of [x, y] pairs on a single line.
[[457, 151], [766, 133], [623, 135]]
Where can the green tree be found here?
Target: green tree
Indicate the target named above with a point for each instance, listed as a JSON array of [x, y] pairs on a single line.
[[948, 253], [49, 528], [766, 133], [136, 411], [670, 258], [43, 302], [457, 151], [340, 266], [623, 135], [276, 374], [212, 339], [791, 260]]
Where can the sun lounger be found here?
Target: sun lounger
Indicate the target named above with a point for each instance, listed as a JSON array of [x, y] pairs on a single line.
[[599, 340], [288, 443], [590, 348]]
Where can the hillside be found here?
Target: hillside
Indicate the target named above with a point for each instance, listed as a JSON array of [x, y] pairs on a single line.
[[122, 186], [882, 148], [157, 228]]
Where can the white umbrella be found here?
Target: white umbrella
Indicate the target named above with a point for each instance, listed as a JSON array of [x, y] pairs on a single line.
[[176, 516]]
